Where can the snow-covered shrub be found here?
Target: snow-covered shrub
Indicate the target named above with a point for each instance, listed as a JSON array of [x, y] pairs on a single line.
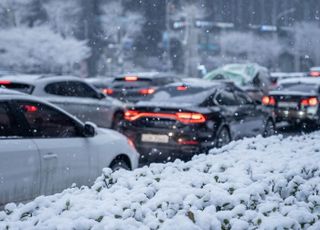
[[257, 183], [40, 49]]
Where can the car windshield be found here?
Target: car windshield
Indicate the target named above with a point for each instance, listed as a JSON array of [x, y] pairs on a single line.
[[301, 87], [24, 88], [181, 94]]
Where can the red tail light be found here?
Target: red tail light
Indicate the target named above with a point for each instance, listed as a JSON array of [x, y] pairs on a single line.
[[182, 88], [312, 101], [268, 100], [184, 117], [130, 78], [191, 117], [107, 91], [30, 108], [147, 91], [314, 74], [5, 82], [187, 142], [131, 115]]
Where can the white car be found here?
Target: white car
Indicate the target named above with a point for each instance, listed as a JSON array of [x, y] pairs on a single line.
[[44, 150], [72, 94]]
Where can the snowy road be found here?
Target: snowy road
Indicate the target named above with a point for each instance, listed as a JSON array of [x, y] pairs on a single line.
[[249, 184]]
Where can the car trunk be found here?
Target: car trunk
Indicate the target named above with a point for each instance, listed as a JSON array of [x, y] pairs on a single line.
[[291, 100]]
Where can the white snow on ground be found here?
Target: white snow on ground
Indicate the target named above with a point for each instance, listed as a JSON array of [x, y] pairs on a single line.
[[257, 183]]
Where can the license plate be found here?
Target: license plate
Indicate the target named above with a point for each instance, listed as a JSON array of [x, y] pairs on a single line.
[[155, 138], [285, 104]]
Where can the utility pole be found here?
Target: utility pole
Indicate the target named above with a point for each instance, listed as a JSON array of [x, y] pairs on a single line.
[[191, 43]]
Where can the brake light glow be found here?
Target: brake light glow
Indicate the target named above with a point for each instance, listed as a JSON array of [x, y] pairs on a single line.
[[182, 88], [268, 100], [184, 117], [312, 101], [107, 91], [187, 142], [147, 91], [130, 142], [314, 74], [30, 108], [5, 82], [130, 78]]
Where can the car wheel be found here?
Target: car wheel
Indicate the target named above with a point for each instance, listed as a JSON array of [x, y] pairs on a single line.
[[269, 129], [223, 137], [117, 120], [119, 164]]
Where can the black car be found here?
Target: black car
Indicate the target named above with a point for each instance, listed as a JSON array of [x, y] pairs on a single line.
[[181, 120], [296, 101], [135, 87]]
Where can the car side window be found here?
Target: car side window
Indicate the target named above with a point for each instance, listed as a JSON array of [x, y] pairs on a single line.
[[226, 98], [71, 89], [9, 127], [47, 122], [243, 98]]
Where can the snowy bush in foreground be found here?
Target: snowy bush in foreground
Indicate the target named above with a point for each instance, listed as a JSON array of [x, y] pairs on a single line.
[[257, 183], [40, 49]]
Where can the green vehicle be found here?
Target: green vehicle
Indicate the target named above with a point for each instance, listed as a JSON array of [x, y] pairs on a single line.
[[253, 78]]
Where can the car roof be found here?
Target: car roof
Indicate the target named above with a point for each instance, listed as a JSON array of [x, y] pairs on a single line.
[[287, 74], [148, 75], [299, 80], [30, 79], [198, 82], [315, 68], [4, 91]]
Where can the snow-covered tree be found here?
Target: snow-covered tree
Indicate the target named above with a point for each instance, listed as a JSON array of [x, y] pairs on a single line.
[[115, 20], [239, 46], [63, 16], [307, 42], [40, 49]]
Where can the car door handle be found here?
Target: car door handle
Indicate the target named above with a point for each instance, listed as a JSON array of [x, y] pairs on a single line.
[[50, 156]]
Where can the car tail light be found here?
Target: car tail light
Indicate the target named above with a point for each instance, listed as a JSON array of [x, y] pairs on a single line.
[[5, 82], [314, 74], [312, 101], [191, 117], [107, 91], [184, 117], [182, 88], [30, 108], [130, 78], [147, 91], [187, 142], [130, 142], [131, 115], [268, 100]]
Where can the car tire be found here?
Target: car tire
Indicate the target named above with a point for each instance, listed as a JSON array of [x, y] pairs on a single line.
[[117, 120], [269, 129], [223, 137], [119, 164]]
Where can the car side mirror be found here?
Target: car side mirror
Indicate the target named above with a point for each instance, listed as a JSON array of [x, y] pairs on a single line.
[[89, 129]]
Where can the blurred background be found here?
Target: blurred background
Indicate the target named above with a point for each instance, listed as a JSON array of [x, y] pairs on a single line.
[[104, 37]]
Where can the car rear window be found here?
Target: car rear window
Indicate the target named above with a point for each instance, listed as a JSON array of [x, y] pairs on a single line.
[[24, 88], [301, 87], [181, 94], [135, 83]]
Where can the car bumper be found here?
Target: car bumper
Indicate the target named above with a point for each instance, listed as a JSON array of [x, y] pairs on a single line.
[[296, 116], [164, 152]]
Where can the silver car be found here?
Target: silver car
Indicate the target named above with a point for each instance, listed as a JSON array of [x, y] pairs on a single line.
[[71, 94], [44, 150]]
